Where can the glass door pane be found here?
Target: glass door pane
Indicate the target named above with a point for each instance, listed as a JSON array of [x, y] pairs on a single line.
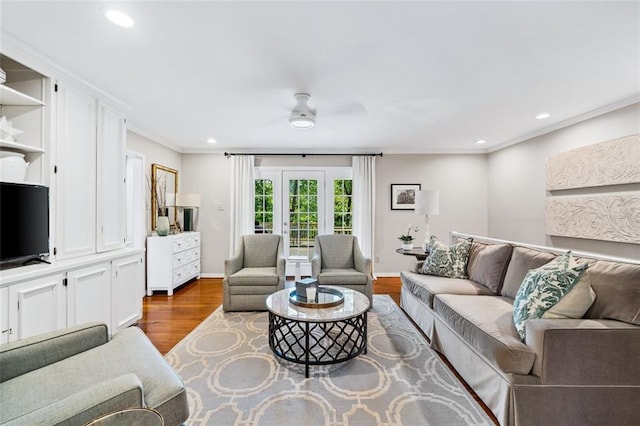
[[303, 211]]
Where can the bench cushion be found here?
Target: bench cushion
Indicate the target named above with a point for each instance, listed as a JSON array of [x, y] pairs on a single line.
[[486, 324]]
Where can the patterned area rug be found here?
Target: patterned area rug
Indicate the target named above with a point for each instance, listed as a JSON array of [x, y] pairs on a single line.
[[233, 378]]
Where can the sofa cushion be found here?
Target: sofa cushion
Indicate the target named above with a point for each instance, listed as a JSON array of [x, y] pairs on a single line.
[[544, 287], [617, 288], [425, 287], [522, 259], [342, 277], [254, 277], [488, 264], [486, 324], [445, 261]]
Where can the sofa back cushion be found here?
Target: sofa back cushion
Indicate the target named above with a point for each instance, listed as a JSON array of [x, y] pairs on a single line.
[[522, 259], [488, 264], [617, 288]]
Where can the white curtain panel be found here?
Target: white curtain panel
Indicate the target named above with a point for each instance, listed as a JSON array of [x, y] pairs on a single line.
[[242, 186], [364, 202]]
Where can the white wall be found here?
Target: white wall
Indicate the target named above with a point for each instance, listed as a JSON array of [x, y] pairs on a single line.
[[517, 185], [210, 176], [153, 153], [462, 182]]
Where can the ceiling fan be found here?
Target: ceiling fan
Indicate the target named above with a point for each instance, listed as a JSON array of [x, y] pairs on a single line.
[[302, 116]]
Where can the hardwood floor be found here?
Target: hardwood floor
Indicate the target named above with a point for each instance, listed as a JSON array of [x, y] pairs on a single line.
[[167, 320]]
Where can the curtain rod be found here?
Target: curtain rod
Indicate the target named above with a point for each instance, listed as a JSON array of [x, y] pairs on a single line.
[[303, 155]]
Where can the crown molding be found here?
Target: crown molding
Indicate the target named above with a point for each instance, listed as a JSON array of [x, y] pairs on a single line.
[[624, 102]]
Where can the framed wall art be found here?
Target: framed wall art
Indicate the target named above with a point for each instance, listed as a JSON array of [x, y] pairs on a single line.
[[403, 196]]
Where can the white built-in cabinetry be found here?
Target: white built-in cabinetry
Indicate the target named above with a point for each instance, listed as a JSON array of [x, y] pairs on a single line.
[[172, 260], [41, 298], [90, 175], [76, 145]]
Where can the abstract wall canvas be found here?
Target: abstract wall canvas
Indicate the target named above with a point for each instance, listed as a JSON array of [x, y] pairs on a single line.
[[613, 162], [609, 217]]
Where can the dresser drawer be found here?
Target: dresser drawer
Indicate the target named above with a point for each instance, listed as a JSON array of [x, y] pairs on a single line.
[[186, 243], [186, 272], [184, 257]]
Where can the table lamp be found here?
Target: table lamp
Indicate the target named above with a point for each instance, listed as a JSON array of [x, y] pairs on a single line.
[[188, 202], [427, 202]]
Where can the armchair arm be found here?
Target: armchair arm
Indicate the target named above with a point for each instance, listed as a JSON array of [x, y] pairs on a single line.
[[316, 260], [361, 263], [281, 265], [117, 394], [29, 354], [233, 264], [584, 352]]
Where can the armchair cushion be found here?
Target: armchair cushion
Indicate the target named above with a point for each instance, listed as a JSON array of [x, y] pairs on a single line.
[[255, 277], [260, 250], [342, 277], [337, 251]]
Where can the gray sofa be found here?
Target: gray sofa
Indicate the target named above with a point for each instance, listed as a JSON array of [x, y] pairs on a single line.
[[566, 371], [75, 375]]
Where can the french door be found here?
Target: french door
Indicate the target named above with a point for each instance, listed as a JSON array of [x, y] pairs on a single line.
[[303, 211], [300, 204]]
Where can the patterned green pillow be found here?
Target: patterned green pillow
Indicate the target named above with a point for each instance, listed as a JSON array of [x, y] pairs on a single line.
[[445, 261], [542, 288]]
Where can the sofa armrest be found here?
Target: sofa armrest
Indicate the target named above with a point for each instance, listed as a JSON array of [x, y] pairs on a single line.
[[584, 352], [117, 394], [29, 354]]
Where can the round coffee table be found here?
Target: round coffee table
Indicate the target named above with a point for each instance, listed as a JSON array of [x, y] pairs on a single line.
[[318, 336]]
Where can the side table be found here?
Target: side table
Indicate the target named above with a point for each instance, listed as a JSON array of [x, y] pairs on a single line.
[[297, 260], [418, 253]]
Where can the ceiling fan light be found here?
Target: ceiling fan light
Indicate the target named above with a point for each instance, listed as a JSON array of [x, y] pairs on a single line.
[[302, 122]]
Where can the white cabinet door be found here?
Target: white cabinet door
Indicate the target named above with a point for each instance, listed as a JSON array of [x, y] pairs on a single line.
[[36, 307], [75, 178], [89, 295], [111, 190], [127, 291], [4, 315]]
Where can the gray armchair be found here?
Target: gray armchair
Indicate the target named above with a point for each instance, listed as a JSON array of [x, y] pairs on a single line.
[[337, 260], [255, 271]]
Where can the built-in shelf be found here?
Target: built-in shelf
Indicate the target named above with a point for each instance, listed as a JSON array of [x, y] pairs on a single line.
[[9, 96], [20, 147]]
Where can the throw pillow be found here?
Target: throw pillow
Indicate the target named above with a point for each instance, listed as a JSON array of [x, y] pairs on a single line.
[[543, 287], [445, 261], [575, 303]]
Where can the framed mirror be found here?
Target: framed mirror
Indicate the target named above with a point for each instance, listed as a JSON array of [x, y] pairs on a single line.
[[164, 186]]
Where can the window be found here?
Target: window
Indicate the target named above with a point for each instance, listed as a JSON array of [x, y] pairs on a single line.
[[342, 206], [263, 206]]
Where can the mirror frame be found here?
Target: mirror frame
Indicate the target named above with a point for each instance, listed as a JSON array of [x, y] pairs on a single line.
[[156, 169]]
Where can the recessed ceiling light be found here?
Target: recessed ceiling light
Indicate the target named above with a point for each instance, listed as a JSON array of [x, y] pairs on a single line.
[[119, 18], [211, 141], [542, 116], [481, 141]]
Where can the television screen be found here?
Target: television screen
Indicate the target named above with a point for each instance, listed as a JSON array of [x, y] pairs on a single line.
[[24, 221]]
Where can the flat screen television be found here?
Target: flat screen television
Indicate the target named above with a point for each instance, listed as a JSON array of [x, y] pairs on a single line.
[[24, 222]]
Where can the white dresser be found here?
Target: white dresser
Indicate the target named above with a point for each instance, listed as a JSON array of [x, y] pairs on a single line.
[[172, 260]]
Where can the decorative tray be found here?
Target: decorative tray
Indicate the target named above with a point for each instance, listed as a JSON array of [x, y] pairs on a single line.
[[326, 298]]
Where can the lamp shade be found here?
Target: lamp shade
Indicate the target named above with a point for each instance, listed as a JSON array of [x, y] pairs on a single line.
[[188, 200], [428, 201]]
